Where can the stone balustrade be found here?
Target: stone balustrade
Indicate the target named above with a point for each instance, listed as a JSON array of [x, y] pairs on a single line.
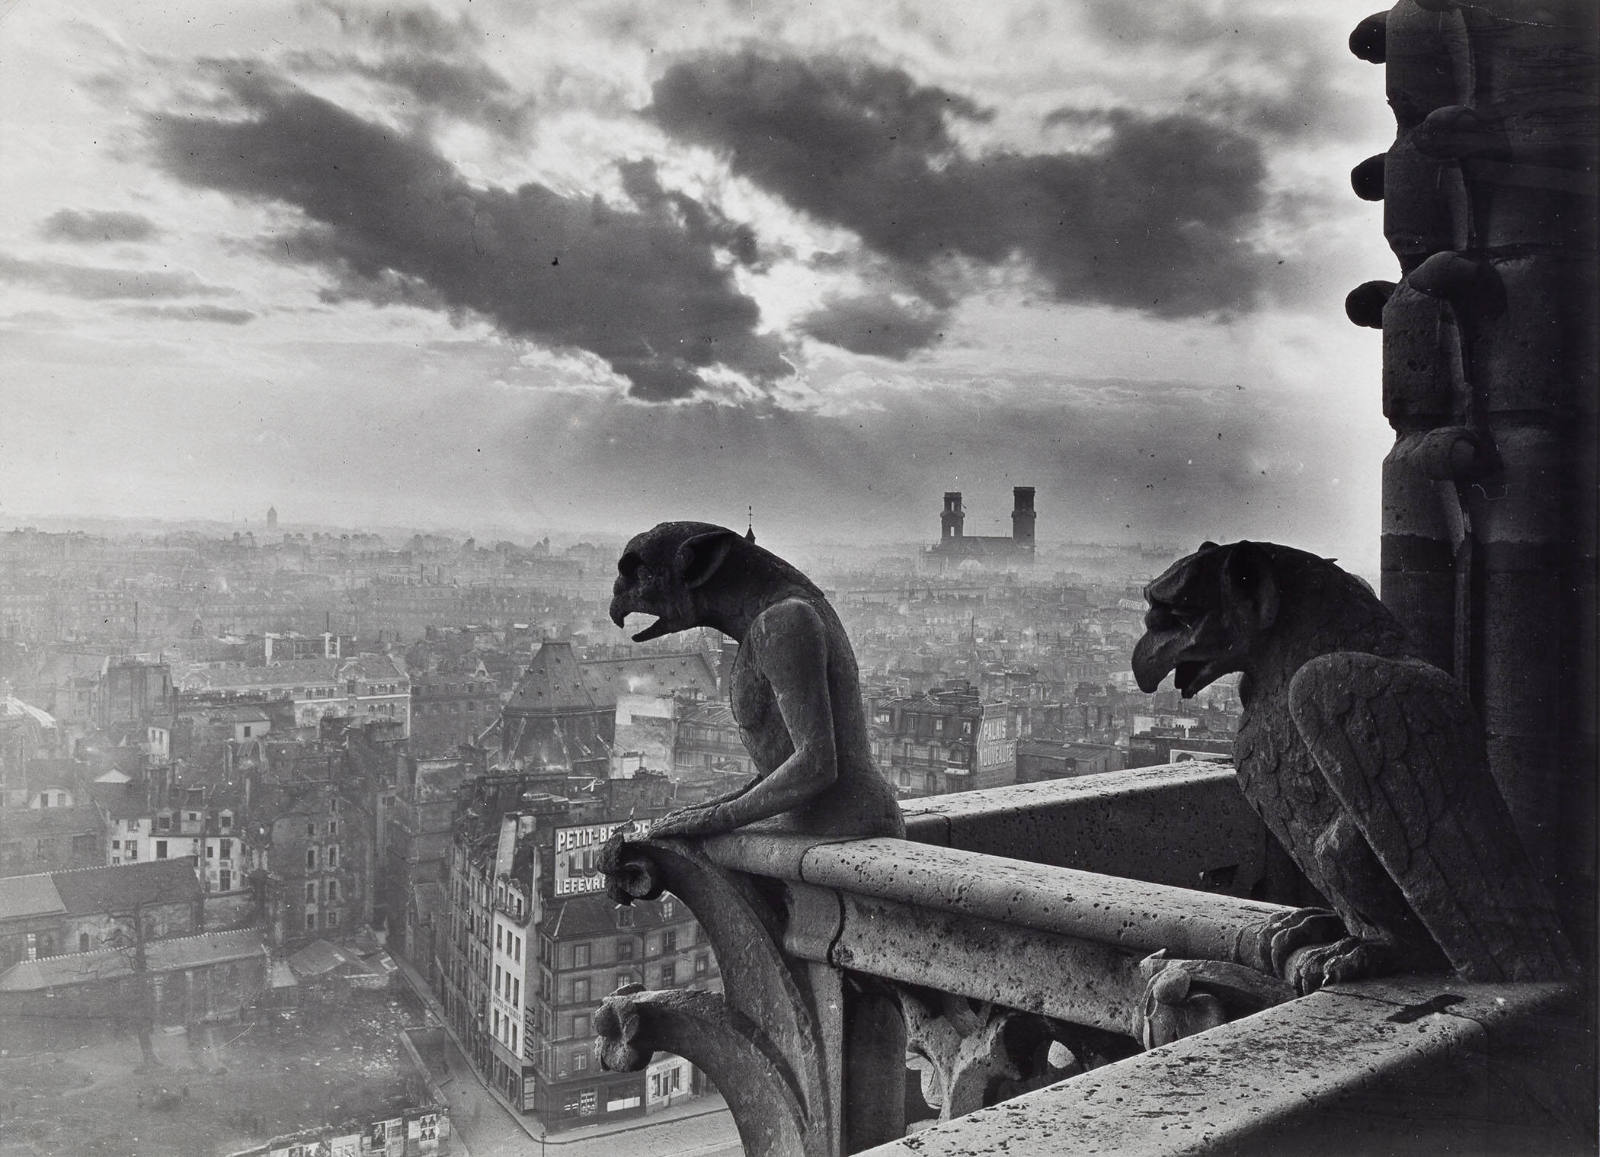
[[1034, 976]]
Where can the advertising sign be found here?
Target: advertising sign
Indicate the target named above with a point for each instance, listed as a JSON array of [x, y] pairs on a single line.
[[576, 850]]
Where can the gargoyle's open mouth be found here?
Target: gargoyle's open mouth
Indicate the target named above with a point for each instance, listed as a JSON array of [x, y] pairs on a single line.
[[1186, 677], [653, 631]]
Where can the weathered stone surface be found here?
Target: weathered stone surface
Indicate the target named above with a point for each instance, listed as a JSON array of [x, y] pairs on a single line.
[[1130, 914], [766, 1100], [1184, 824], [1413, 1069]]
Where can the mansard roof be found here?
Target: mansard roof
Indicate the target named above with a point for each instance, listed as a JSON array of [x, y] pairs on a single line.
[[553, 682]]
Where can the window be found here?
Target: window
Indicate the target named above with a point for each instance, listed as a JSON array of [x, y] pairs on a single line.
[[333, 919], [333, 857], [227, 850], [497, 945], [333, 890], [311, 891], [702, 964], [669, 940], [666, 908], [83, 942], [211, 852], [669, 975], [161, 849], [225, 880], [624, 949], [516, 948], [580, 956], [580, 1024], [225, 821], [580, 1061], [622, 979], [580, 991], [311, 829], [333, 827], [163, 823], [311, 921], [311, 858], [516, 990]]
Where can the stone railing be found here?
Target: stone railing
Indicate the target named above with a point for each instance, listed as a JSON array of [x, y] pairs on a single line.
[[1041, 975]]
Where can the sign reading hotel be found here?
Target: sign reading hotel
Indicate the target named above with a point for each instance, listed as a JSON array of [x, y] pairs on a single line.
[[577, 849]]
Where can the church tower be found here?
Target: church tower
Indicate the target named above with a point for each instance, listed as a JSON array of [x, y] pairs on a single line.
[[951, 520], [1022, 516]]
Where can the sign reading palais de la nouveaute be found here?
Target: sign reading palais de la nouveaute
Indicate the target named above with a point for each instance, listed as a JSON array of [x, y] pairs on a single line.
[[576, 850]]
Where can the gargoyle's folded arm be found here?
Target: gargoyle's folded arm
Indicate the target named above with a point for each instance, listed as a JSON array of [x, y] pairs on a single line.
[[790, 649]]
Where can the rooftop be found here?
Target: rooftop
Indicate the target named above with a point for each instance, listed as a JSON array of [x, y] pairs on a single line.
[[171, 955]]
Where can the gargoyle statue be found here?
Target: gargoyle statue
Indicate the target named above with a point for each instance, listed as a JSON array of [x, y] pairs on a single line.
[[795, 691], [1365, 762]]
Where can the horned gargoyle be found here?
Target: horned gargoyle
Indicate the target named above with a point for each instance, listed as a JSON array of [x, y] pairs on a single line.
[[795, 691], [1365, 762]]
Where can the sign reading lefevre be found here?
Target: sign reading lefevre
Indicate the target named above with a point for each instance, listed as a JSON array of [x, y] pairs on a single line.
[[576, 851]]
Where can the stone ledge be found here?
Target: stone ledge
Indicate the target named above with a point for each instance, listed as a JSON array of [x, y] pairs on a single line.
[[1185, 824], [1379, 1067]]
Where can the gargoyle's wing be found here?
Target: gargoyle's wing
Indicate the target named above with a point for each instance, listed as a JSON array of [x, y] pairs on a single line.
[[1401, 748]]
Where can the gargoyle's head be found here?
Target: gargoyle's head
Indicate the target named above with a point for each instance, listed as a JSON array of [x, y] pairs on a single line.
[[1207, 614], [661, 570]]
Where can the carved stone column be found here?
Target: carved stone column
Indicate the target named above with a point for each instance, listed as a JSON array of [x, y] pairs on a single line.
[[1489, 342]]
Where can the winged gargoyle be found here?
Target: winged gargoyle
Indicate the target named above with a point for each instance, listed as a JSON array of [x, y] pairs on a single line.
[[1366, 763], [795, 691]]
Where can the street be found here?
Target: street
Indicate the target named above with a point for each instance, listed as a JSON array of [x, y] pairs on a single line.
[[483, 1127]]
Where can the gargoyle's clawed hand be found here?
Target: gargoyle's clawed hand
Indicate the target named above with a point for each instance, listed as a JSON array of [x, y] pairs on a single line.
[[700, 820], [1288, 932]]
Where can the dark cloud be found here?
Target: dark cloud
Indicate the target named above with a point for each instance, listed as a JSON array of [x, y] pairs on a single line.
[[875, 324], [636, 288], [95, 283], [211, 313], [89, 227], [704, 224], [466, 89], [1149, 218]]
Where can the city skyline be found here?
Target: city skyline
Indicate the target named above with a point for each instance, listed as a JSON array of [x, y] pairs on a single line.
[[558, 268]]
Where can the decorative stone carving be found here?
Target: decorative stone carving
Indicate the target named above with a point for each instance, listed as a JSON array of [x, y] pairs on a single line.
[[1183, 997], [971, 1053], [767, 1107], [777, 1040], [795, 689], [1365, 762]]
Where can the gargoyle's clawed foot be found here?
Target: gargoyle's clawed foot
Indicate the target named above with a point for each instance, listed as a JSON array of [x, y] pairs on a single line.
[[1298, 928], [1348, 959]]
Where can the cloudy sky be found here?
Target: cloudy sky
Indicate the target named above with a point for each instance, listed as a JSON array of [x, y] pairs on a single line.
[[594, 263]]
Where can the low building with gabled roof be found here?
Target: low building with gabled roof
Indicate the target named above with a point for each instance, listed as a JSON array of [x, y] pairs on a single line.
[[49, 913]]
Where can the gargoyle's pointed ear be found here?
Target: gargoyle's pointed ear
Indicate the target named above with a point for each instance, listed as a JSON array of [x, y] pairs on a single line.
[[699, 558], [1248, 582], [1207, 545]]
